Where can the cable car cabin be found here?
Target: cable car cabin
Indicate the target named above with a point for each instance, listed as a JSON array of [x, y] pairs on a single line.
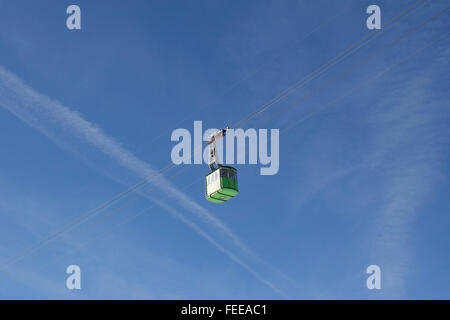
[[221, 184]]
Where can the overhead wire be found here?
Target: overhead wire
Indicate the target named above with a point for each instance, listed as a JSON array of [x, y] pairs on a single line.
[[84, 226], [87, 215], [377, 75], [325, 65], [356, 65]]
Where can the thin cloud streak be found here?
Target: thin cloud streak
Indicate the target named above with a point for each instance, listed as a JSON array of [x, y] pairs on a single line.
[[406, 148]]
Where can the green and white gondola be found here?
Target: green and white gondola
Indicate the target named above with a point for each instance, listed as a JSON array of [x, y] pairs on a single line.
[[221, 184]]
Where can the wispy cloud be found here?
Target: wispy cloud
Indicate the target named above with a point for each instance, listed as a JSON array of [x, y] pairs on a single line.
[[406, 149], [69, 130]]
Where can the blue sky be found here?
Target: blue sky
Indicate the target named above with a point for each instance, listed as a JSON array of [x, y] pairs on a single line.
[[86, 114]]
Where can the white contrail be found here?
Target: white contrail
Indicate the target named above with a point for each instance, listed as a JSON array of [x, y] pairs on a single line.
[[409, 137], [62, 125]]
